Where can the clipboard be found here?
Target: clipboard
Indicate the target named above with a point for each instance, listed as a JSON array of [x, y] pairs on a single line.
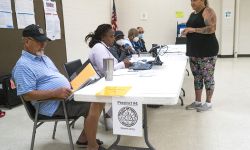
[[84, 76]]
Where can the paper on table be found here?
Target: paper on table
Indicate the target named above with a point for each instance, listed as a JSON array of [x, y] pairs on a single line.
[[177, 48], [121, 72], [146, 73], [114, 91]]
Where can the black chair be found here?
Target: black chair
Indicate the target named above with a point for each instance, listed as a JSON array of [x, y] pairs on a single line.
[[40, 119], [181, 40], [72, 68]]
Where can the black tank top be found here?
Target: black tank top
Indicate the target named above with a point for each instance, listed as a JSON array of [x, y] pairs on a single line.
[[200, 45]]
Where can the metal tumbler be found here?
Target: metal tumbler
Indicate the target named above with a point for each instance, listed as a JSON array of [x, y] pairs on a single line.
[[108, 68]]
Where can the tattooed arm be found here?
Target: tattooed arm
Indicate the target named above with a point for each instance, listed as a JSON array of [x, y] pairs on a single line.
[[210, 22]]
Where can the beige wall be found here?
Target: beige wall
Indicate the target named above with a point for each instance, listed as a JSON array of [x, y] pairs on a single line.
[[227, 27], [80, 18], [83, 16], [244, 24], [160, 27]]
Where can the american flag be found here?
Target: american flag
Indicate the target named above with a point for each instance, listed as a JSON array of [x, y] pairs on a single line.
[[114, 17]]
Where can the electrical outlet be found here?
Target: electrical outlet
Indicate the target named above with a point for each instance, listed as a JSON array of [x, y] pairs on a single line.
[[144, 16]]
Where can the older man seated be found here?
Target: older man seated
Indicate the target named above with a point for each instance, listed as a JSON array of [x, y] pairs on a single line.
[[141, 43], [37, 78]]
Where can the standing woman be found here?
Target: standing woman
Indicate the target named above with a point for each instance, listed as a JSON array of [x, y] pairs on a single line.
[[202, 49]]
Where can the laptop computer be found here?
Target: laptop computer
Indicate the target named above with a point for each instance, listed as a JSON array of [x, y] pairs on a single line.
[[84, 76], [141, 65]]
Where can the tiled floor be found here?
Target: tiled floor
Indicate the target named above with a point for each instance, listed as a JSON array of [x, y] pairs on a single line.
[[226, 127]]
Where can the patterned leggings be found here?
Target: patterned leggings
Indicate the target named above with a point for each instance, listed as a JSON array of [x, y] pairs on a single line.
[[203, 72]]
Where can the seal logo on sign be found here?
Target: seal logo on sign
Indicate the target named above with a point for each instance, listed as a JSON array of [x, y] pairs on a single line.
[[127, 116]]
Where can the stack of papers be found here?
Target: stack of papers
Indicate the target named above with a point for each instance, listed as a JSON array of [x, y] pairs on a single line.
[[114, 91]]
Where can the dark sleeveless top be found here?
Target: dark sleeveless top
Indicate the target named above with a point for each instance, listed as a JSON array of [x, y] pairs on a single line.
[[200, 45]]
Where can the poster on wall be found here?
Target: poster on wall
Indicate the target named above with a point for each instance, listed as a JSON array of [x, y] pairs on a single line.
[[228, 14], [25, 13], [179, 14], [127, 116], [25, 19], [5, 5], [53, 28], [6, 20]]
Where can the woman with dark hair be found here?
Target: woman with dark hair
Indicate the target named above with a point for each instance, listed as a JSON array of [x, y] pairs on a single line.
[[100, 42], [202, 49]]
